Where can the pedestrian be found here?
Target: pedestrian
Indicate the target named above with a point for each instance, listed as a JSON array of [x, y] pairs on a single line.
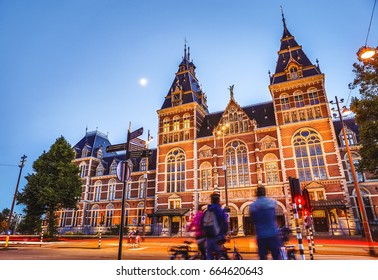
[[216, 229], [263, 215], [199, 234]]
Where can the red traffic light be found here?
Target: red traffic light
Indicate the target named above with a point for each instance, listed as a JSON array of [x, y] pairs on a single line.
[[300, 202]]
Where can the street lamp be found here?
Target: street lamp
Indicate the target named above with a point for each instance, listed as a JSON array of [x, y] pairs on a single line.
[[366, 52], [361, 205], [22, 164], [149, 139], [221, 132]]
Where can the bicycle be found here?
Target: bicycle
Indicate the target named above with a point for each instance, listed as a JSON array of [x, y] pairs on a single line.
[[182, 252], [224, 253], [287, 251]]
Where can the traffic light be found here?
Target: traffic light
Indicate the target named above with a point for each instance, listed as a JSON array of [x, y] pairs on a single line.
[[299, 201], [295, 188], [307, 202]]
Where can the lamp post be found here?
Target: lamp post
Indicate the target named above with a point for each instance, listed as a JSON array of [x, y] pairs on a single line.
[[222, 132], [149, 139], [361, 205], [22, 164]]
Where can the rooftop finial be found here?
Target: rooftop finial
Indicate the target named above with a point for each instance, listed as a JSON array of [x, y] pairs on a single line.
[[185, 57], [231, 88], [283, 17]]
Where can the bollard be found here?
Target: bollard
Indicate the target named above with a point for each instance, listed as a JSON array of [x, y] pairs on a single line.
[[40, 244], [299, 233], [307, 221], [99, 239]]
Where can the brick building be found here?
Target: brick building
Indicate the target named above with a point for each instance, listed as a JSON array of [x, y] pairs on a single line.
[[233, 152]]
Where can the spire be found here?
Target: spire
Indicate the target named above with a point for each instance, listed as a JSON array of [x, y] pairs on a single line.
[[291, 54], [286, 32]]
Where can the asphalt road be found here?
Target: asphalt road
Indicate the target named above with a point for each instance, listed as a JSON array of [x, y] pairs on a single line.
[[157, 249]]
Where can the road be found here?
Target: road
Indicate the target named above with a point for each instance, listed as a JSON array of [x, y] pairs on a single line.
[[157, 249]]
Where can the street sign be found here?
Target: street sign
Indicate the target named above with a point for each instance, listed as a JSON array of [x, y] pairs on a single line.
[[141, 153], [136, 133], [143, 219], [116, 148]]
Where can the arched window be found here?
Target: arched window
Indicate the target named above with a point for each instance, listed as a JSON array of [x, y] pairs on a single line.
[[100, 153], [175, 171], [113, 168], [205, 171], [94, 215], [186, 121], [285, 103], [237, 164], [97, 191], [142, 186], [313, 96], [166, 123], [176, 123], [309, 155], [298, 98], [271, 169], [100, 170], [111, 189], [85, 152]]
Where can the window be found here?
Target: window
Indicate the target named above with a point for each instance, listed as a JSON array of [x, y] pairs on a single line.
[[313, 96], [356, 159], [128, 190], [351, 137], [271, 169], [293, 72], [174, 203], [97, 191], [109, 215], [166, 124], [309, 155], [298, 98], [205, 170], [176, 171], [143, 164], [186, 121], [85, 152], [316, 194], [100, 170], [142, 186], [82, 168], [111, 189], [94, 216], [113, 168], [176, 123], [100, 153], [285, 104], [237, 164]]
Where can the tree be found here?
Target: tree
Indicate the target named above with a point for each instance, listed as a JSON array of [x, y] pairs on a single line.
[[366, 110], [4, 216], [55, 184]]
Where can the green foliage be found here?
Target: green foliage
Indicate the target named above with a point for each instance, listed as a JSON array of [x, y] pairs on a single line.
[[55, 184], [4, 215], [366, 109]]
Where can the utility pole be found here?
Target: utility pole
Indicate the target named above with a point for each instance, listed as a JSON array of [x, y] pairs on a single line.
[[22, 164]]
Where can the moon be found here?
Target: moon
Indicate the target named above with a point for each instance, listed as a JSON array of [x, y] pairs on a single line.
[[143, 82]]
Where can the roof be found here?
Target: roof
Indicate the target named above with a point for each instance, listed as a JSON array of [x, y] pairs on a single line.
[[291, 51], [171, 212], [349, 123], [328, 204], [263, 113]]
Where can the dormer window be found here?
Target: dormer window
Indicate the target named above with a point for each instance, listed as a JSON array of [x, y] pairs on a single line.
[[100, 170], [113, 168], [293, 72], [351, 137], [85, 152], [100, 153]]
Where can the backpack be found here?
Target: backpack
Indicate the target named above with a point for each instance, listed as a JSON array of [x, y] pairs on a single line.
[[209, 224]]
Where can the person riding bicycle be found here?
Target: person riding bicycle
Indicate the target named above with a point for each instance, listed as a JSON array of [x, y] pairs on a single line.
[[215, 230], [200, 237]]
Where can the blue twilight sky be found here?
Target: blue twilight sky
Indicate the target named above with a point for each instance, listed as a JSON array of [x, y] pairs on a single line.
[[67, 65]]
